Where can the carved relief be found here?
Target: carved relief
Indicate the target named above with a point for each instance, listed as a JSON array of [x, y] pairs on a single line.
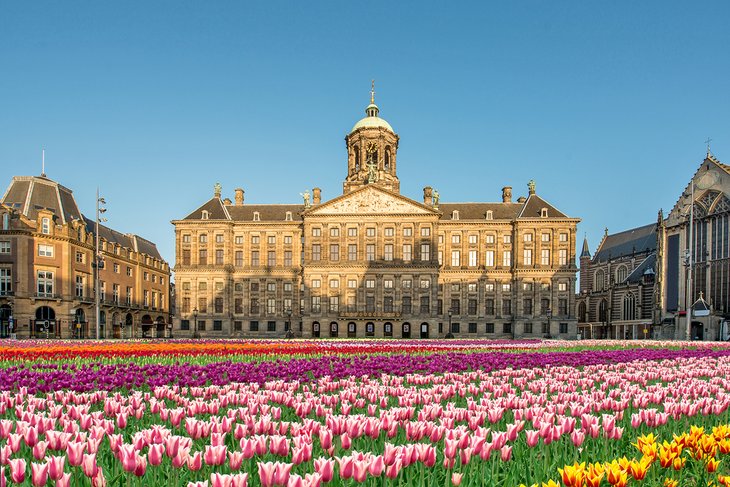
[[370, 201]]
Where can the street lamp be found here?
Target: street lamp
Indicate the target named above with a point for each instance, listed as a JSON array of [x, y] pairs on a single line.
[[98, 262], [287, 326], [195, 323], [449, 334]]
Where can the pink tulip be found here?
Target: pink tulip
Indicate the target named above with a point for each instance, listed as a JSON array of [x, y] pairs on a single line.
[[31, 436], [3, 481], [391, 471], [220, 480], [89, 466], [533, 437], [215, 455], [128, 457], [295, 481], [377, 466], [506, 453], [64, 480], [456, 478], [141, 466], [98, 480], [39, 450], [282, 473], [325, 438], [346, 467], [55, 466], [181, 458], [5, 453], [195, 461], [14, 442], [360, 470], [39, 474], [345, 441], [325, 468], [75, 451], [239, 480], [17, 470], [172, 445], [266, 473], [204, 483], [235, 459], [155, 454]]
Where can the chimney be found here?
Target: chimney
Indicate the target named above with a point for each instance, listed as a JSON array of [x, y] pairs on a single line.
[[227, 202], [316, 196], [239, 196], [507, 194], [428, 196]]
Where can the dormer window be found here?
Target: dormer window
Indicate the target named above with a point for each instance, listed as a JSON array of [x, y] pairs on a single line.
[[45, 226], [204, 215], [288, 216], [256, 216], [543, 213], [490, 215], [455, 215]]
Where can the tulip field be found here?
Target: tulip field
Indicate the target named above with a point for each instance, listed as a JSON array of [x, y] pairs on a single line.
[[223, 413]]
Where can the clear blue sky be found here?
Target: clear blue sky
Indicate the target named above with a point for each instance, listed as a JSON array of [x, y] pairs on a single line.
[[605, 104]]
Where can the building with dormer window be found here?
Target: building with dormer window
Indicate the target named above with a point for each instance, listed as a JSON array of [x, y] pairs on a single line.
[[372, 262]]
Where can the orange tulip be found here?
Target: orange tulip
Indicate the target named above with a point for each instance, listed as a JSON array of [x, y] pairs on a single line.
[[573, 476], [724, 446], [712, 464], [638, 469], [678, 463], [670, 483]]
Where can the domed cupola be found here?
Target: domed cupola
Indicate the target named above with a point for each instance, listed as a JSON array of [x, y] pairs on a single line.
[[371, 148]]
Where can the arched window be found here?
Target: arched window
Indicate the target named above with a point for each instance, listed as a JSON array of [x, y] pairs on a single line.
[[599, 281], [46, 226], [621, 274], [357, 158], [629, 307], [386, 164], [582, 312], [204, 215], [602, 311]]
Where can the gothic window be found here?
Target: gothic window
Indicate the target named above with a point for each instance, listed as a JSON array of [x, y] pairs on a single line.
[[599, 281], [621, 274], [602, 311], [629, 307], [582, 312]]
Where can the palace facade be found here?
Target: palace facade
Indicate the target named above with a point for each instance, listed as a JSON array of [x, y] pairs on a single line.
[[374, 263], [47, 249]]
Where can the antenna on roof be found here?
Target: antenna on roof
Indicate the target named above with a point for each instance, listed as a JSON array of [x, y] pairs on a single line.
[[43, 163], [708, 146]]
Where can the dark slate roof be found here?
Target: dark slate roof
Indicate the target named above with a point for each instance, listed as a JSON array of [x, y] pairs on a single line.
[[478, 211], [128, 240], [266, 212], [647, 266], [586, 252], [633, 241], [535, 204], [29, 194], [215, 208]]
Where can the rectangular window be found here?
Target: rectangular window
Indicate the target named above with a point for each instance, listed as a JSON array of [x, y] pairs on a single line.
[[388, 231], [388, 283], [425, 305], [407, 252], [255, 239], [287, 239], [316, 232], [184, 324], [146, 297], [287, 286], [316, 252], [407, 231], [45, 250], [316, 304], [562, 286], [115, 293], [406, 283], [490, 258], [352, 232], [316, 283], [370, 252], [370, 232], [456, 238], [545, 237], [130, 294], [472, 287], [45, 283], [563, 237], [217, 325], [506, 307], [370, 283], [239, 258], [425, 283], [203, 238], [507, 239], [129, 269], [271, 239], [425, 231], [527, 306], [352, 252], [507, 328], [563, 257], [455, 327], [238, 239], [440, 307], [528, 328], [472, 310], [271, 258], [271, 306], [388, 304], [253, 326], [79, 288], [563, 328], [334, 252], [218, 305], [406, 305], [370, 304], [472, 258], [334, 232], [455, 306], [506, 287], [472, 327], [527, 256], [254, 258], [202, 257], [146, 276], [473, 239], [79, 255], [489, 308], [238, 326], [489, 328], [489, 287], [186, 238], [201, 325], [334, 283], [238, 305], [506, 258], [545, 257], [219, 256], [425, 252], [527, 237], [334, 304], [287, 258], [489, 239], [388, 251], [46, 226], [562, 307], [254, 305], [544, 306], [352, 283]]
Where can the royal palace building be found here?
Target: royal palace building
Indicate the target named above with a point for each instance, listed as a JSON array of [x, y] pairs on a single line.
[[374, 263], [47, 270]]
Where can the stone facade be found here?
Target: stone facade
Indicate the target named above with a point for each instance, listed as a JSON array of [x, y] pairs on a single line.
[[47, 272], [374, 263]]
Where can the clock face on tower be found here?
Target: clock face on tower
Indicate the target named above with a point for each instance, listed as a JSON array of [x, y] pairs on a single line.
[[371, 147]]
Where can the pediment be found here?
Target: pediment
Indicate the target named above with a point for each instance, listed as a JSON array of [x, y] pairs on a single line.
[[371, 200]]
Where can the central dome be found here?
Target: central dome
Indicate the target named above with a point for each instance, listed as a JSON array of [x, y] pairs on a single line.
[[372, 120]]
